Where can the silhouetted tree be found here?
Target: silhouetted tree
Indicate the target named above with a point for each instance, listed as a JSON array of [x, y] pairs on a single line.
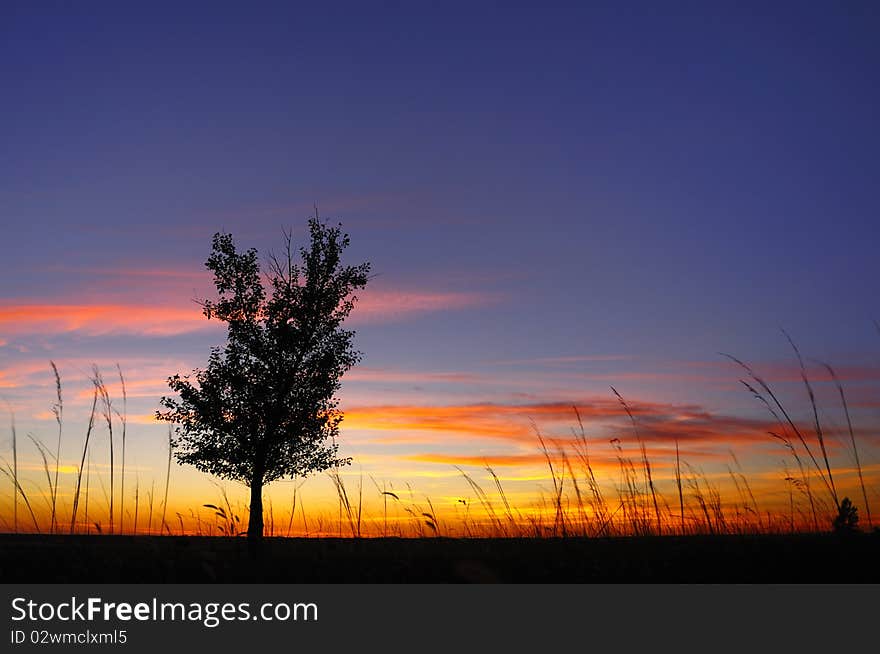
[[265, 407]]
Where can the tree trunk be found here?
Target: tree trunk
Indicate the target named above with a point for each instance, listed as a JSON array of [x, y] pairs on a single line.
[[255, 521]]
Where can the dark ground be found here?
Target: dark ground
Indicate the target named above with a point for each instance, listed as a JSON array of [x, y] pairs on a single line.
[[816, 558]]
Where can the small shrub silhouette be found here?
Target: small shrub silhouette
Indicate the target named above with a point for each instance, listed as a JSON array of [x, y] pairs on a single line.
[[847, 520]]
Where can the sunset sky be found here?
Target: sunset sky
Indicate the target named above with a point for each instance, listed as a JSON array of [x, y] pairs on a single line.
[[553, 200]]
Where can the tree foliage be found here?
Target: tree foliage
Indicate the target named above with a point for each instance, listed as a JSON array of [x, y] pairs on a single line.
[[265, 406]]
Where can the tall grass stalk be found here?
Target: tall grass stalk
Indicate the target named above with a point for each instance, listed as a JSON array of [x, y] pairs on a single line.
[[12, 473], [582, 451], [744, 490], [384, 493], [485, 501], [302, 509], [15, 485], [137, 486], [163, 524], [558, 486], [150, 504], [582, 514], [804, 482], [693, 482], [432, 520], [88, 483], [790, 481], [58, 412], [44, 456], [83, 461], [501, 494], [650, 478], [852, 438], [352, 514], [818, 425], [107, 413], [645, 463], [678, 483], [123, 417], [292, 509], [19, 490], [788, 420]]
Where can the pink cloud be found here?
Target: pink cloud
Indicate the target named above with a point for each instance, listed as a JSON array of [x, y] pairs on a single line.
[[783, 372], [169, 319], [365, 374], [100, 319], [380, 305], [579, 358]]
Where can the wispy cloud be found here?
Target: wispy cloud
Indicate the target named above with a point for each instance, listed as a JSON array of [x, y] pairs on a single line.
[[388, 375], [386, 304], [100, 319], [562, 360], [168, 319], [656, 422], [776, 371], [163, 302]]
